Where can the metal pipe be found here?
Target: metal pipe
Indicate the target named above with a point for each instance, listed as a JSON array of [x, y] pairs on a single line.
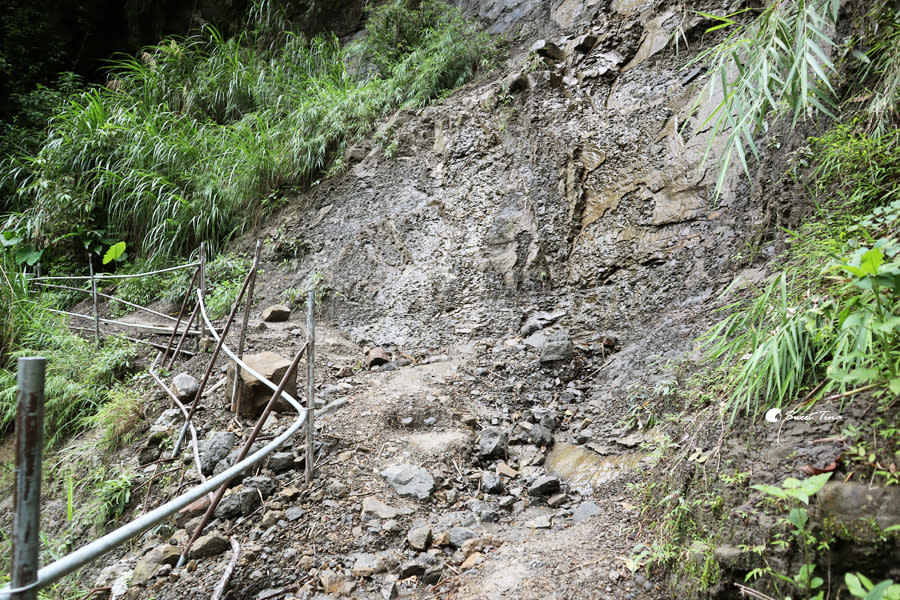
[[236, 388], [100, 546], [120, 323], [108, 297], [107, 276], [29, 443], [291, 370], [310, 385], [181, 314]]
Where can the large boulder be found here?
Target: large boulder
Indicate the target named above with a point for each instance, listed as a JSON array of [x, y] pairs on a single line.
[[253, 395]]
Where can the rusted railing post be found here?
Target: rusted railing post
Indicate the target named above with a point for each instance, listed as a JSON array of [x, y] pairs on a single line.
[[29, 443], [202, 285], [94, 296], [310, 384]]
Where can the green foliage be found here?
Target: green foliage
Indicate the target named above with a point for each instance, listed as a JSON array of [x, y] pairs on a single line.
[[835, 325], [795, 493], [119, 418], [778, 60], [861, 586], [113, 496], [199, 137]]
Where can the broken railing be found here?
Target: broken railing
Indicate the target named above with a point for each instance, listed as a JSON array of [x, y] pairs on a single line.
[[27, 579]]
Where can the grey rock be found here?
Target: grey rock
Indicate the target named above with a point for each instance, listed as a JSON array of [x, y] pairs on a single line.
[[337, 489], [419, 538], [584, 511], [546, 417], [265, 485], [277, 313], [215, 448], [544, 486], [538, 339], [373, 508], [548, 50], [540, 435], [148, 565], [491, 483], [169, 418], [409, 480], [281, 461], [557, 350], [210, 544], [412, 568], [492, 442], [185, 387], [293, 513], [367, 565], [458, 535]]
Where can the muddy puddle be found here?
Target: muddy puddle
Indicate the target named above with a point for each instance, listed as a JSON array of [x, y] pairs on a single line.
[[584, 469]]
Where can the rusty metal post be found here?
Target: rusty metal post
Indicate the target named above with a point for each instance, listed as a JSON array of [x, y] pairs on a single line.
[[202, 284], [94, 295], [29, 443], [310, 385]]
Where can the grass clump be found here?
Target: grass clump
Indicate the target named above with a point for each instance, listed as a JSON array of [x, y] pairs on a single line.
[[119, 418], [196, 138]]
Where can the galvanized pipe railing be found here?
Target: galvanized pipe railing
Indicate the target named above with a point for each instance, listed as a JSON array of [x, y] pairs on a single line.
[[97, 548]]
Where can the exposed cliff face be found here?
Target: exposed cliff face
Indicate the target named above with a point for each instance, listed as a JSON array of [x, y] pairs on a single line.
[[569, 178]]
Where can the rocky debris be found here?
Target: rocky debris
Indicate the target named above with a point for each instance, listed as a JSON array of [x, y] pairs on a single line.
[[458, 535], [215, 448], [265, 485], [210, 544], [280, 461], [544, 486], [376, 356], [169, 418], [505, 470], [491, 483], [192, 510], [419, 538], [557, 500], [115, 577], [241, 502], [478, 544], [153, 447], [254, 395], [539, 320], [557, 348], [585, 510], [277, 313], [854, 504], [409, 480], [373, 508], [293, 513], [185, 387], [533, 433], [149, 564], [367, 565], [337, 489], [548, 50], [492, 442]]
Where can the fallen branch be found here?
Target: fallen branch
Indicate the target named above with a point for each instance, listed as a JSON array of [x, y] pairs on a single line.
[[226, 576]]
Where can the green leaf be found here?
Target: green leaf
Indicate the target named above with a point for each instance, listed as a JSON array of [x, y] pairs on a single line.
[[114, 253], [28, 255], [878, 592], [871, 260], [854, 585]]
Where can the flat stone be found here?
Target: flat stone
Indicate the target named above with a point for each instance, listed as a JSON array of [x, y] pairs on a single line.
[[277, 313], [265, 485], [367, 565], [544, 486], [409, 480], [210, 544], [556, 500], [548, 50], [584, 511], [478, 544], [505, 470], [194, 509], [474, 559], [554, 351], [541, 522], [293, 513], [150, 563], [373, 508], [419, 538]]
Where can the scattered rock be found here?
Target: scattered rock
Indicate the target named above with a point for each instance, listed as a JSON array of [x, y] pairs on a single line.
[[419, 538], [293, 513], [150, 563], [478, 544], [265, 485], [458, 535], [168, 419], [474, 559], [409, 480], [557, 348], [277, 313], [491, 483], [185, 387], [541, 522], [281, 461], [373, 508], [584, 511], [331, 581], [544, 486], [540, 435], [215, 448], [194, 509], [210, 544], [556, 500], [548, 50], [505, 470], [367, 565], [492, 442], [337, 489]]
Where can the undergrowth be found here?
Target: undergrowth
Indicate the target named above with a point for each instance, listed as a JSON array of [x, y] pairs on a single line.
[[197, 138]]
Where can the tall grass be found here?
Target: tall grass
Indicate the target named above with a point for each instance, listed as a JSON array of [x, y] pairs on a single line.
[[196, 138]]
